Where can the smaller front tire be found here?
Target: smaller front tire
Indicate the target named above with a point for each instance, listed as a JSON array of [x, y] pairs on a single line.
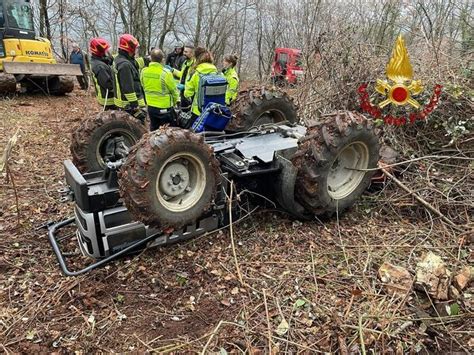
[[170, 178]]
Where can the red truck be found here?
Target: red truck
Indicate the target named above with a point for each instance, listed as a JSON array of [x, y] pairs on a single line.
[[287, 66]]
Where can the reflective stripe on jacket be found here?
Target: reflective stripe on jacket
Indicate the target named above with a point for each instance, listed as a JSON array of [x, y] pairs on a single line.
[[183, 74], [127, 88], [232, 85], [159, 86], [142, 62], [103, 81]]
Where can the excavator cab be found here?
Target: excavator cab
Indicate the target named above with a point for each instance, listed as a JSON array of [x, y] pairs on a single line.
[[27, 59], [16, 19]]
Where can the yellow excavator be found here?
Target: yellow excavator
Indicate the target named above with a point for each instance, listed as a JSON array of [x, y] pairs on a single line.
[[28, 60]]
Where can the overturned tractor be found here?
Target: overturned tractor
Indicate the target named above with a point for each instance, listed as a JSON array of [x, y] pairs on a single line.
[[133, 189]]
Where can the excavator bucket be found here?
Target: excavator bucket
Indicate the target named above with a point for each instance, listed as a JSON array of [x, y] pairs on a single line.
[[41, 69]]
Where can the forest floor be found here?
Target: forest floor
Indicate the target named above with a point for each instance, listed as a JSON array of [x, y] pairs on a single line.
[[304, 287]]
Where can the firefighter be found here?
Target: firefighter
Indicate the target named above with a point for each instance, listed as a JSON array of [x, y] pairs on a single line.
[[183, 74], [203, 66], [128, 92], [232, 78], [161, 93], [102, 72]]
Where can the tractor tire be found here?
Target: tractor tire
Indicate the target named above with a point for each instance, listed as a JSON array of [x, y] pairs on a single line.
[[7, 84], [323, 184], [261, 105], [169, 179], [89, 140]]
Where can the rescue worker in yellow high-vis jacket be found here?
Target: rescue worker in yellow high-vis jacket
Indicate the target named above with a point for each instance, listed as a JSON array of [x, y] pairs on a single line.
[[204, 65], [229, 63], [184, 74], [161, 94]]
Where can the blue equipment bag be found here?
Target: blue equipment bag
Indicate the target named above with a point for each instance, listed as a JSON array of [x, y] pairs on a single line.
[[211, 102], [212, 88], [214, 117]]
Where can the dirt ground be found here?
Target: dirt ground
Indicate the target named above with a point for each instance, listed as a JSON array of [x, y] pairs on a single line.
[[305, 287]]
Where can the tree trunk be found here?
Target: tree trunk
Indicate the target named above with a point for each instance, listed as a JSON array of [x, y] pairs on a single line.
[[242, 36], [198, 23], [166, 27], [45, 27]]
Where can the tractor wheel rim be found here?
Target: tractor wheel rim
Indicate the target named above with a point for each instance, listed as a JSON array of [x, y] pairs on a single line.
[[129, 142], [345, 175], [270, 116], [181, 182]]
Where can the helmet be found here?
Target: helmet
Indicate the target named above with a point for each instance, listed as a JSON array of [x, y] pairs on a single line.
[[98, 46], [128, 43]]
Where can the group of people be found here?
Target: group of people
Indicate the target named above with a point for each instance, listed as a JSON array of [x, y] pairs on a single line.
[[150, 85]]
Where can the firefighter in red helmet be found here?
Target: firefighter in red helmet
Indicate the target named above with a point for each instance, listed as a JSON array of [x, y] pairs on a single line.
[[102, 72], [127, 88]]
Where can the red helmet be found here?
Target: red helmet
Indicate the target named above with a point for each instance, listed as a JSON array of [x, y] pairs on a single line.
[[128, 43], [98, 46]]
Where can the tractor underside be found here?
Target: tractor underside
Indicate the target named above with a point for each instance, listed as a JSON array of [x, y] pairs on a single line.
[[255, 162]]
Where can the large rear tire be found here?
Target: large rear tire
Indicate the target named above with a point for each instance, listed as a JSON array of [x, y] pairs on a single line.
[[261, 105], [92, 140], [170, 178], [331, 160]]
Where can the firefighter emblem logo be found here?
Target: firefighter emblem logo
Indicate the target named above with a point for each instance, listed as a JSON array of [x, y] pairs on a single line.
[[399, 89]]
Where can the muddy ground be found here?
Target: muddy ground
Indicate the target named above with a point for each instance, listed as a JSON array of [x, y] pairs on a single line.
[[306, 287]]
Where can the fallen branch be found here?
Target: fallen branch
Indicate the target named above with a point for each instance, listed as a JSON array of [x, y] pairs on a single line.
[[9, 175], [6, 153], [445, 157], [231, 229], [417, 197], [268, 323]]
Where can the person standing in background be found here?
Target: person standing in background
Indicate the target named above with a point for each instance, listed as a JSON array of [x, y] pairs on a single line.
[[160, 90], [176, 58], [128, 91], [78, 57], [183, 75], [102, 76], [229, 63]]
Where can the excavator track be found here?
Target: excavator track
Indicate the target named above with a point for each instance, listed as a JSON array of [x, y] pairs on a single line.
[[56, 85], [7, 84]]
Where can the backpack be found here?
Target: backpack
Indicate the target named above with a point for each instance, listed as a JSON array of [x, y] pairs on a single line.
[[211, 89]]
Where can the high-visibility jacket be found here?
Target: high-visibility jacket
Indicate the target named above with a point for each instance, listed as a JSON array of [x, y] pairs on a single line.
[[183, 74], [142, 62], [127, 88], [232, 84], [159, 86], [103, 81], [192, 85]]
